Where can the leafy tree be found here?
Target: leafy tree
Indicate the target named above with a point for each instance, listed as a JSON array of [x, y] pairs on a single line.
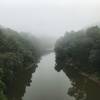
[[80, 49]]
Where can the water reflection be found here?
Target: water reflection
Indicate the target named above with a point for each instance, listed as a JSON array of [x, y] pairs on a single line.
[[17, 87], [82, 88], [48, 84]]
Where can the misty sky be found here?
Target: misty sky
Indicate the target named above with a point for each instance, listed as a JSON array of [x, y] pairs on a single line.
[[49, 17]]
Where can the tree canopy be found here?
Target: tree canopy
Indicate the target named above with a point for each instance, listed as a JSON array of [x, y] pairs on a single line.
[[80, 49]]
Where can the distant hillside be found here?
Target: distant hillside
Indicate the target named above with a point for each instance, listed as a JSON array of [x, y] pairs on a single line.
[[47, 42]]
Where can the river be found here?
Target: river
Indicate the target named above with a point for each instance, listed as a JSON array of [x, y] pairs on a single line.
[[45, 83]]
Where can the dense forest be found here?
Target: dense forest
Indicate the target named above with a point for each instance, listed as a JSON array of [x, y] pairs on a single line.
[[77, 52], [80, 50], [18, 52]]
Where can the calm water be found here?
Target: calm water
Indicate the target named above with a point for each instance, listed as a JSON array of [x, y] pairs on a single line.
[[45, 83]]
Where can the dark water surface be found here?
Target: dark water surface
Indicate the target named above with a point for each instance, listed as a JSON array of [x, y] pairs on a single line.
[[45, 83]]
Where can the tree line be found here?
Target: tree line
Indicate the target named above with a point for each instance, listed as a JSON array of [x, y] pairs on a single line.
[[79, 50], [17, 52]]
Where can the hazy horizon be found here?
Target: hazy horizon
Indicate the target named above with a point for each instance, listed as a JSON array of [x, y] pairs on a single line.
[[51, 18]]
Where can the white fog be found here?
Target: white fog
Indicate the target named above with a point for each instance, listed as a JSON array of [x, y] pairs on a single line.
[[51, 18]]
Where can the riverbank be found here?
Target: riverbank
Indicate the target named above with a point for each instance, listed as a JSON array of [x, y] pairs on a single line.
[[92, 77]]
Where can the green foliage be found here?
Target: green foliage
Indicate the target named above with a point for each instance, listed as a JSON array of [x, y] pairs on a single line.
[[2, 88], [80, 49], [17, 52], [2, 96]]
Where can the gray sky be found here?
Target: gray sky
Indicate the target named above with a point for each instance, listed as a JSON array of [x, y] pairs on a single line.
[[49, 17]]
